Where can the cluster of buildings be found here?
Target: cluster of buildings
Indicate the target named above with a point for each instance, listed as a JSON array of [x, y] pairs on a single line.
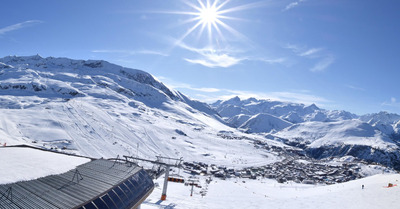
[[300, 170], [293, 169]]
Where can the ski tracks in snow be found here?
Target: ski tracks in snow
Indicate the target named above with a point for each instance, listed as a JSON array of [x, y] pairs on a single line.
[[82, 138]]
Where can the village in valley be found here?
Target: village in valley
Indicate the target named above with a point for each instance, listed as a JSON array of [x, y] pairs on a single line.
[[295, 167], [295, 170]]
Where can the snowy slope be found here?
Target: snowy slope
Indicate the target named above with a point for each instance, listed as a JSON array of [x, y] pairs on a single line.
[[264, 123], [341, 138], [388, 123], [353, 132], [322, 133], [55, 77], [99, 109], [238, 120], [265, 193]]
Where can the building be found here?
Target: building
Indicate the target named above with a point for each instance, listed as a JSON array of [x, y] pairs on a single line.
[[96, 184]]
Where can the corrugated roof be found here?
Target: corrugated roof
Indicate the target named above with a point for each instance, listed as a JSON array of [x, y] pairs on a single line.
[[119, 185]]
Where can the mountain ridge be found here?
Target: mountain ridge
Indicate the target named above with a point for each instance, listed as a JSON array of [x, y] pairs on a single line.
[[99, 109], [298, 113], [320, 133]]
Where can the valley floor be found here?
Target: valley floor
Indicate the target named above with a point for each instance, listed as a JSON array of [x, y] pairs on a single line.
[[265, 193]]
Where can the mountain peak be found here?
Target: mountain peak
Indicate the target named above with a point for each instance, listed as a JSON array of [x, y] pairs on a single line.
[[313, 106], [264, 123], [236, 99], [68, 78], [251, 99], [232, 101]]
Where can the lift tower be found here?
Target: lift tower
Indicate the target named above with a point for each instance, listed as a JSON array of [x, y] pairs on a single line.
[[172, 162]]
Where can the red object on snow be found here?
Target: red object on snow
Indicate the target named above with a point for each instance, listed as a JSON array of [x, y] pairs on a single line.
[[390, 185]]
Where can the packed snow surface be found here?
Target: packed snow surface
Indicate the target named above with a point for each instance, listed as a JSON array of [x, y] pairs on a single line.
[[24, 164], [264, 193], [107, 128]]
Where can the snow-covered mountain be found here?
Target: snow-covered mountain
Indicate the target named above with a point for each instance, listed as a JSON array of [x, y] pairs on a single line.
[[50, 76], [388, 123], [321, 133], [263, 122], [291, 112], [341, 138], [237, 112], [99, 109]]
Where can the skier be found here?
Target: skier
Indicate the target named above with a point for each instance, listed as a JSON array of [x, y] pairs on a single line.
[[362, 186]]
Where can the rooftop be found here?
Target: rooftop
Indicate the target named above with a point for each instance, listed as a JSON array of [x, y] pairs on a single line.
[[24, 163], [95, 184]]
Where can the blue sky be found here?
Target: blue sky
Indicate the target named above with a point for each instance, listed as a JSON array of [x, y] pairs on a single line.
[[339, 54]]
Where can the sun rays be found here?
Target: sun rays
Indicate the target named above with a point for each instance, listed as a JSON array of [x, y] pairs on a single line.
[[206, 31], [208, 17]]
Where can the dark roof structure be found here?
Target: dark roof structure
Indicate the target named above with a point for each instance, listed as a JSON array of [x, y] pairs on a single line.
[[94, 185]]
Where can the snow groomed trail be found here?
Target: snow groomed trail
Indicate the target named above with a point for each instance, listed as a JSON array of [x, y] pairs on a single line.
[[265, 193]]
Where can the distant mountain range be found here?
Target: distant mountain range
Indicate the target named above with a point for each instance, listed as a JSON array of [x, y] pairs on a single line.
[[99, 109], [321, 133], [240, 113]]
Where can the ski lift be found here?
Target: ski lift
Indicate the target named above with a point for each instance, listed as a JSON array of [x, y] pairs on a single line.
[[176, 177], [157, 171]]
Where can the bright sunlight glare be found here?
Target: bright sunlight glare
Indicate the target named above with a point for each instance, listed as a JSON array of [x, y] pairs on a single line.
[[208, 16]]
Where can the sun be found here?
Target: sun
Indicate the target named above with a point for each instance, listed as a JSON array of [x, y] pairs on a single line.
[[208, 17]]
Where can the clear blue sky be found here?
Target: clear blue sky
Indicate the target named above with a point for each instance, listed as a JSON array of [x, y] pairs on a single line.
[[339, 54]]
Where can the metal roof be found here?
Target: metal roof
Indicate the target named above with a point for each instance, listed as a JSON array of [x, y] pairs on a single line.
[[96, 184]]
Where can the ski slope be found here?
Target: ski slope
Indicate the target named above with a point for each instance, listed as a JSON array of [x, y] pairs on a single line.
[[98, 109], [107, 128], [264, 193]]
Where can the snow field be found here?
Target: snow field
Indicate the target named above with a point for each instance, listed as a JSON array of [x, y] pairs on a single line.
[[98, 109], [265, 193], [23, 164], [107, 128]]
